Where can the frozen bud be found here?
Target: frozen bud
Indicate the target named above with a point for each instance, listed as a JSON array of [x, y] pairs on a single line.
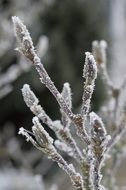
[[66, 93], [19, 28], [90, 68], [24, 38], [42, 137], [99, 51], [29, 97], [98, 128]]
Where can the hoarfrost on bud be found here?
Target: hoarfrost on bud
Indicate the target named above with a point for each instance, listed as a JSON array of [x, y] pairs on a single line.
[[66, 93], [90, 67], [29, 97], [40, 133], [20, 30], [24, 38], [97, 122]]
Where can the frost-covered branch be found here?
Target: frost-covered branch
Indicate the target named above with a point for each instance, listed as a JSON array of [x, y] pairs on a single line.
[[62, 132], [27, 49], [89, 126], [42, 141]]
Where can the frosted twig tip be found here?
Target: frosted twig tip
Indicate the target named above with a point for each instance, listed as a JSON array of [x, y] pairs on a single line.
[[98, 124], [24, 38], [90, 67], [29, 97]]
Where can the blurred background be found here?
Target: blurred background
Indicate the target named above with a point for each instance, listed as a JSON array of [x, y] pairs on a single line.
[[62, 31]]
